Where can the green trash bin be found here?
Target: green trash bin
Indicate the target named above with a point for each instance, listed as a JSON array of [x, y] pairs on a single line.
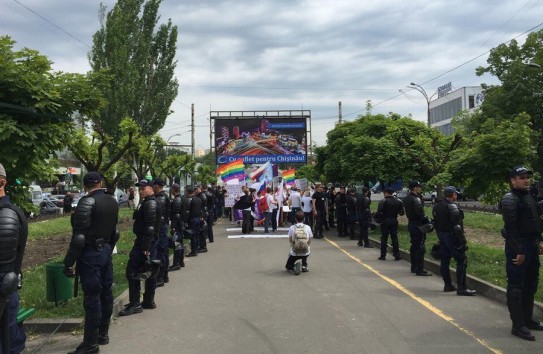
[[59, 286]]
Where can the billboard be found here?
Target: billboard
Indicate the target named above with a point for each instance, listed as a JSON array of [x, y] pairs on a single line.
[[257, 140]]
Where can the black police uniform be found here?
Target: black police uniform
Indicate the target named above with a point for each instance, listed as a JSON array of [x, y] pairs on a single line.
[[364, 218], [414, 210], [195, 218], [95, 217], [449, 225], [390, 207], [522, 235], [147, 219], [202, 246], [13, 236], [350, 205], [320, 210], [210, 219], [163, 242], [331, 210], [341, 214], [178, 218]]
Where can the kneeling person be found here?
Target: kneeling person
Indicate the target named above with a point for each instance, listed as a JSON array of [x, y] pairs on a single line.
[[300, 236]]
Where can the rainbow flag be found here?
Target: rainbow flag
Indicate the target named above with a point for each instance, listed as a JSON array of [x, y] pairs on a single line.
[[289, 176], [234, 169]]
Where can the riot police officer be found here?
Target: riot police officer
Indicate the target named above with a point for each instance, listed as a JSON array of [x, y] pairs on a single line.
[[178, 218], [93, 237], [341, 212], [13, 235], [364, 217], [389, 208], [210, 207], [195, 218], [414, 209], [147, 220], [202, 247], [523, 245], [350, 206], [449, 225], [331, 194], [162, 245]]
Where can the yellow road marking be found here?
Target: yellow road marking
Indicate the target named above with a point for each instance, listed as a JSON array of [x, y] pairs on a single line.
[[418, 299]]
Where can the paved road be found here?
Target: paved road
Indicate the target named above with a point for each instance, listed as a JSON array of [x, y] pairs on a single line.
[[237, 298]]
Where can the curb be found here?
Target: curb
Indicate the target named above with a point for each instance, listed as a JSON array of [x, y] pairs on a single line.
[[484, 288]]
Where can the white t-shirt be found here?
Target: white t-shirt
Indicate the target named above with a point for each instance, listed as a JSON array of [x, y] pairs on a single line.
[[271, 202], [295, 199], [306, 205], [291, 232]]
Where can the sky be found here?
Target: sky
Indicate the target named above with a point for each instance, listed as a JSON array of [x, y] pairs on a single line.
[[257, 55]]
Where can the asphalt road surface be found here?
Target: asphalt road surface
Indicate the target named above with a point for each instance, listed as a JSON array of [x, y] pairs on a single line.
[[238, 298]]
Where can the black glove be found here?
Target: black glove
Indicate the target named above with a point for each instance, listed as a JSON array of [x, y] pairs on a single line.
[[69, 272]]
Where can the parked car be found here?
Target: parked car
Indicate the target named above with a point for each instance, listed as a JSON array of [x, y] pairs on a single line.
[[121, 197], [74, 202], [35, 193], [401, 194], [49, 208], [57, 200], [430, 196]]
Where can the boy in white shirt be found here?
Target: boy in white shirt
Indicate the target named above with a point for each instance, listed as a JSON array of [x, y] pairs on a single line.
[[300, 236]]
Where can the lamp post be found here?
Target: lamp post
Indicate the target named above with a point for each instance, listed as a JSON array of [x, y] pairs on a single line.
[[420, 89]]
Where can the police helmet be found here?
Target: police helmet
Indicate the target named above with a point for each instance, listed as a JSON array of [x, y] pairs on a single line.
[[149, 270], [428, 226]]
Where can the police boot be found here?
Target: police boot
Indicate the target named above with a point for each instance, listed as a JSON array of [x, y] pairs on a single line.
[[103, 335], [89, 345], [528, 306], [514, 304], [148, 302]]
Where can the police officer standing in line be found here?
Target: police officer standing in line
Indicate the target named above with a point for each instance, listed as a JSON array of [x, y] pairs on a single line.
[[162, 245], [195, 217], [13, 235], [350, 205], [178, 218], [147, 221], [341, 212], [93, 238], [319, 210], [523, 245], [331, 202], [210, 207], [202, 246], [449, 225], [414, 209], [364, 217], [389, 208]]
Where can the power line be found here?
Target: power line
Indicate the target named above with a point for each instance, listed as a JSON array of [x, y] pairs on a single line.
[[52, 24]]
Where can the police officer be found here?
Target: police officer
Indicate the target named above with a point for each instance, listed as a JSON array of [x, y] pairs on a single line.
[[364, 217], [331, 202], [523, 245], [13, 235], [414, 209], [147, 221], [93, 237], [178, 218], [318, 199], [162, 245], [341, 212], [202, 246], [350, 206], [195, 218], [210, 207], [390, 207], [449, 225]]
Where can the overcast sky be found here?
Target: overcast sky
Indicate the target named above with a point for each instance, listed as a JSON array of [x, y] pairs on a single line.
[[295, 54]]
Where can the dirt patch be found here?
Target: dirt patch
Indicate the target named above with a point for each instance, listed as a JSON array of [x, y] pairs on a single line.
[[484, 237], [44, 250]]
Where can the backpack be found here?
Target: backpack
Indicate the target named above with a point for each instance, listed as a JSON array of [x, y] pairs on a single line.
[[263, 204], [301, 244]]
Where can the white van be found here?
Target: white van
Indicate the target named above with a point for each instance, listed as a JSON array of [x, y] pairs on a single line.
[[35, 193]]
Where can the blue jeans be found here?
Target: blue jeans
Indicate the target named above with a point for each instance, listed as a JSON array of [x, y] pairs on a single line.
[[96, 273]]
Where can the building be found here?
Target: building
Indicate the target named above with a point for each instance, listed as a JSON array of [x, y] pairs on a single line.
[[445, 107]]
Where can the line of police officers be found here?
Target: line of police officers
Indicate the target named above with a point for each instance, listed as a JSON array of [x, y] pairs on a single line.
[[94, 236]]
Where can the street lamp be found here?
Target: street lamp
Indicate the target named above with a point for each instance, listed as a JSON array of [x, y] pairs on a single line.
[[419, 88]]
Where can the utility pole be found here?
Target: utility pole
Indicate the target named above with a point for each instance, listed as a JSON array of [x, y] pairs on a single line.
[[192, 130], [339, 113]]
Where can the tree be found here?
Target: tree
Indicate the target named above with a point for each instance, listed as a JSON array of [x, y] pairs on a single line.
[[140, 86], [521, 90], [36, 106]]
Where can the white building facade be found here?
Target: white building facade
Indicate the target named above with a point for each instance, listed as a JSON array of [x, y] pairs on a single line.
[[444, 108]]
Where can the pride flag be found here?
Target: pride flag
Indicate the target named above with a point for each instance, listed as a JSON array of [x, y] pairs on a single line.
[[234, 169], [289, 176]]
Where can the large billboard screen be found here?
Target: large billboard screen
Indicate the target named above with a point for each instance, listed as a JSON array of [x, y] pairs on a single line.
[[257, 140]]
